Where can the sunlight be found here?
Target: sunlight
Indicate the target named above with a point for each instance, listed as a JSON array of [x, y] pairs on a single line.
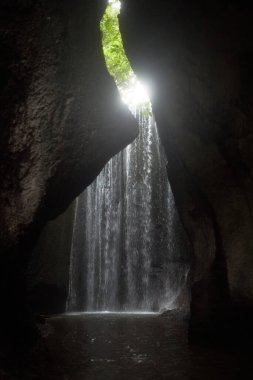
[[136, 93], [115, 4]]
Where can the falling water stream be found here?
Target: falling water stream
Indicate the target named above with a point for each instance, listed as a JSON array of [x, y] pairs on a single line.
[[127, 248]]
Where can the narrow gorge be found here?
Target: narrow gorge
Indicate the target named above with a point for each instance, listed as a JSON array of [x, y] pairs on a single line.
[[126, 246]]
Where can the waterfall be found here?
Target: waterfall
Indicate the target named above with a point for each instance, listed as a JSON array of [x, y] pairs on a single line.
[[127, 252]]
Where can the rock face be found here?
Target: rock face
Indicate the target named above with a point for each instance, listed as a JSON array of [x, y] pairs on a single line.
[[48, 269], [61, 120], [197, 58], [60, 109]]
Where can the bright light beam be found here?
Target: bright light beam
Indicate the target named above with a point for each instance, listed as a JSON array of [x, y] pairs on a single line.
[[115, 4], [136, 93]]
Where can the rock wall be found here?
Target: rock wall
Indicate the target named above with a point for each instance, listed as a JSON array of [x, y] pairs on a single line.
[[61, 120], [48, 269], [197, 58], [60, 109]]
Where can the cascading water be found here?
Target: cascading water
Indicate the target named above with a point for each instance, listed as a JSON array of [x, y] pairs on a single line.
[[126, 249], [127, 253]]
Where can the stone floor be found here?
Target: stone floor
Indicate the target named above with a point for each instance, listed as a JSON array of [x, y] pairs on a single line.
[[136, 347]]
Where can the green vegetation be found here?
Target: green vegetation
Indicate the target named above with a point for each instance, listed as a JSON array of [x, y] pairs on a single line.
[[115, 56], [132, 92]]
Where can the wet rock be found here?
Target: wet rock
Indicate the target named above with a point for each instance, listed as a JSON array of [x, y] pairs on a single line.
[[48, 298], [197, 58]]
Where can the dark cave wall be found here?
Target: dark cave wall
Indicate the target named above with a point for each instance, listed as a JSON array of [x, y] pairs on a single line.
[[61, 120], [49, 266], [60, 109], [197, 58]]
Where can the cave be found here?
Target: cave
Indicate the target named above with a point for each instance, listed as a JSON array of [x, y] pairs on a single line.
[[126, 233]]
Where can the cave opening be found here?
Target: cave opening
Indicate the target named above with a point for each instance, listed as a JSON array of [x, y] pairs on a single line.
[[120, 246], [128, 250], [62, 120]]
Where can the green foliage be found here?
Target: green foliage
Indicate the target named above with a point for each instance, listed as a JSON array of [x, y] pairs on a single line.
[[116, 59], [118, 64]]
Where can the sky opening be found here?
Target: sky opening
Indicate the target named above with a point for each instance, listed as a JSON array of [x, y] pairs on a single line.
[[132, 91]]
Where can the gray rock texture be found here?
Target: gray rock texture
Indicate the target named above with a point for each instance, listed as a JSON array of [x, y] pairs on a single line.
[[61, 116]]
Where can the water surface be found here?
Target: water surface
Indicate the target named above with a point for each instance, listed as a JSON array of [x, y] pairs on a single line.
[[136, 347]]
